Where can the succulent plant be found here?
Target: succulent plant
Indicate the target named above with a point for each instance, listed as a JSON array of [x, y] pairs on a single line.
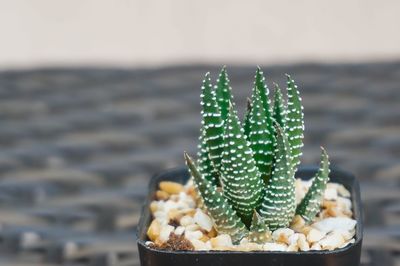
[[245, 175]]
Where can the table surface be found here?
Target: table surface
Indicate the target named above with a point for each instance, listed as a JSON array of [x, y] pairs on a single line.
[[78, 147]]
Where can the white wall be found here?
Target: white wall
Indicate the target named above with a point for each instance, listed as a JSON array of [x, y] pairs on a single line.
[[130, 32]]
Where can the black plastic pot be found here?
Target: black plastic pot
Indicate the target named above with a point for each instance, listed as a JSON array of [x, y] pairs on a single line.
[[348, 256]]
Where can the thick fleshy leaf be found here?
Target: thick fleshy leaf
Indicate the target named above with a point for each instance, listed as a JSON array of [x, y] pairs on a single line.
[[241, 180], [295, 121], [261, 138], [204, 163], [279, 110], [311, 203], [279, 202], [259, 231], [224, 93], [212, 123], [223, 215]]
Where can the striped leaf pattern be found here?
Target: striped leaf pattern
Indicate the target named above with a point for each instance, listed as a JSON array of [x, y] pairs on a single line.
[[261, 138], [225, 218], [212, 123], [204, 163], [224, 93], [310, 204], [295, 121], [279, 202], [241, 180]]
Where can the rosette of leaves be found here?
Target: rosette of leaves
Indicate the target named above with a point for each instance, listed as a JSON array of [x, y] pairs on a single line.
[[245, 174]]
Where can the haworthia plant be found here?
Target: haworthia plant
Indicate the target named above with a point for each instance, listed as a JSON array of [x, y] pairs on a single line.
[[246, 173], [310, 205]]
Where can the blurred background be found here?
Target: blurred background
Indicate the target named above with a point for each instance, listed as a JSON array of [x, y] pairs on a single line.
[[97, 96]]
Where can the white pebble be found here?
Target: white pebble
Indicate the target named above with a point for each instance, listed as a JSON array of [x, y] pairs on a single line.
[[203, 220], [302, 243], [315, 246], [186, 220], [223, 240], [193, 234], [179, 230], [199, 245], [274, 247], [282, 235], [331, 241], [165, 232], [330, 194], [315, 235], [332, 223]]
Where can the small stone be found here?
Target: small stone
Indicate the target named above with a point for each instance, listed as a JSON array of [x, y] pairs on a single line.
[[274, 247], [347, 235], [192, 227], [179, 230], [331, 241], [171, 187], [153, 206], [212, 233], [199, 245], [223, 240], [297, 223], [302, 243], [249, 246], [332, 223], [186, 220], [203, 220], [166, 230], [330, 194], [282, 235], [154, 230], [193, 234], [315, 246], [315, 235], [162, 195]]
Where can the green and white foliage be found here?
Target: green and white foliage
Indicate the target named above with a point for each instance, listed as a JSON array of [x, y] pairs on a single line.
[[204, 162], [225, 218], [295, 121], [279, 202], [212, 123], [261, 137], [245, 174], [259, 231], [240, 177], [223, 93], [279, 109], [310, 204]]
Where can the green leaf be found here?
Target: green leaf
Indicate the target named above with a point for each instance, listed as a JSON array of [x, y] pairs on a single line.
[[241, 180], [223, 93], [279, 110], [204, 163], [279, 202], [259, 231], [310, 205], [261, 138], [225, 218], [295, 121], [261, 86], [212, 123], [246, 120]]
